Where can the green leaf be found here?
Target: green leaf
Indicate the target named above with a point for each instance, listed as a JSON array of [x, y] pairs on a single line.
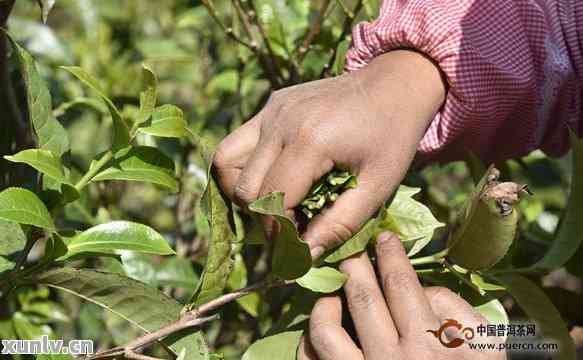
[[411, 220], [238, 279], [142, 306], [539, 308], [51, 135], [177, 272], [24, 207], [55, 247], [167, 121], [570, 233], [324, 280], [224, 82], [219, 263], [12, 242], [291, 254], [42, 160], [148, 96], [493, 311], [355, 244], [415, 231], [26, 330], [141, 163], [281, 346], [121, 134], [49, 310], [118, 235], [46, 6]]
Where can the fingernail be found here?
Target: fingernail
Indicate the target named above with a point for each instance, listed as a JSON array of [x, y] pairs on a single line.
[[384, 237], [317, 251]]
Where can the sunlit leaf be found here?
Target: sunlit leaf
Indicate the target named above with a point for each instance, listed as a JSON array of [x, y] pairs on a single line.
[[42, 160], [12, 241], [324, 279], [493, 311], [24, 207], [410, 219], [167, 121], [281, 346], [141, 163], [119, 235], [148, 95]]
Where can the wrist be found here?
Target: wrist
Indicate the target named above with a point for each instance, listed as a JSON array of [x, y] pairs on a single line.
[[406, 79]]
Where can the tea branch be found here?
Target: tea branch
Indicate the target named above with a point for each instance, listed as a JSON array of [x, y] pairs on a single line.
[[209, 5], [314, 30], [191, 319]]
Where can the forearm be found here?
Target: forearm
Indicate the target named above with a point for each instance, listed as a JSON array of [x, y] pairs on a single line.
[[510, 66]]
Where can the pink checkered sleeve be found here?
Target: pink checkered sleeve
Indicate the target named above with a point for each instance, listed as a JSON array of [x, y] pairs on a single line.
[[511, 67]]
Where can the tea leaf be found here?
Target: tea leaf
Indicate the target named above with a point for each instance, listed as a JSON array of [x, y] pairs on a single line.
[[323, 280], [51, 135], [121, 133], [118, 235], [42, 160], [291, 254], [24, 207], [141, 163]]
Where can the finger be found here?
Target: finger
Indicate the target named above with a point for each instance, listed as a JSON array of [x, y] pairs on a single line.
[[329, 339], [350, 211], [294, 172], [405, 296], [251, 178], [306, 350], [233, 153], [367, 306], [448, 305]]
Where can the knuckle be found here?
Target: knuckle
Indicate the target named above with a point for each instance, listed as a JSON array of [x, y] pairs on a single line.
[[244, 193], [339, 232], [438, 293], [399, 280], [320, 333]]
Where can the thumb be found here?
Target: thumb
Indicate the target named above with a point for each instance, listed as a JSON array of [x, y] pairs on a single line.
[[350, 211]]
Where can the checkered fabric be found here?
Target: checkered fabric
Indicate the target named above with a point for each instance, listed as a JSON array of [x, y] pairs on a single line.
[[513, 67]]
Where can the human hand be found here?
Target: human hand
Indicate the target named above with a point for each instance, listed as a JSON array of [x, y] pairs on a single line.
[[369, 122], [392, 323]]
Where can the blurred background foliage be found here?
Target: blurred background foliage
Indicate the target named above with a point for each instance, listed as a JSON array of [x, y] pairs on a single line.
[[219, 82]]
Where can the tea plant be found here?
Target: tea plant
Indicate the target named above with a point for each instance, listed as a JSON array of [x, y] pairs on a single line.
[[105, 260]]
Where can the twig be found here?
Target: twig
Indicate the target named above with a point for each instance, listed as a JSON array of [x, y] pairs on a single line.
[[93, 170], [191, 319], [130, 354], [314, 30], [350, 16], [208, 4], [437, 258], [269, 64]]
